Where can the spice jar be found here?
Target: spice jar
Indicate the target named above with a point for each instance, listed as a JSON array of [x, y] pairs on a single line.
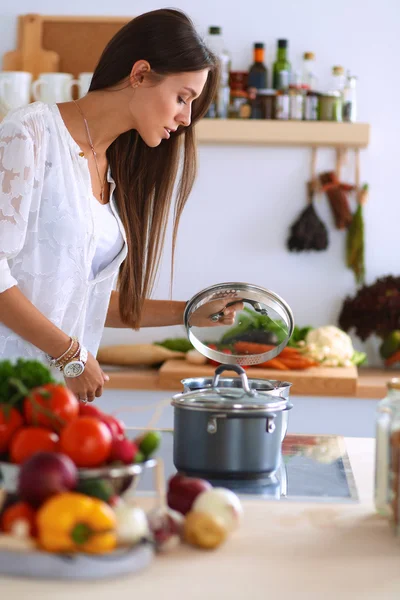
[[238, 102], [267, 103], [263, 104], [331, 106], [238, 80], [386, 419], [282, 105], [311, 106]]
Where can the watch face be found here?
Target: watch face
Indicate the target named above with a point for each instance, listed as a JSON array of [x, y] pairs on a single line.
[[74, 368]]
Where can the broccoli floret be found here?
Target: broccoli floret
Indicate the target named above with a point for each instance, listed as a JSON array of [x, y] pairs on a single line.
[[31, 373]]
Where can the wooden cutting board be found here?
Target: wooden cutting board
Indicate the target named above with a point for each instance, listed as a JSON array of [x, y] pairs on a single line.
[[30, 55], [317, 381]]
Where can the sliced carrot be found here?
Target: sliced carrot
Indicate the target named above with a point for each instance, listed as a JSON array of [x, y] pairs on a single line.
[[298, 363], [252, 348], [256, 348], [274, 363], [392, 360]]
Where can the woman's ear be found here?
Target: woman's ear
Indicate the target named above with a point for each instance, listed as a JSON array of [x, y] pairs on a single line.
[[138, 72]]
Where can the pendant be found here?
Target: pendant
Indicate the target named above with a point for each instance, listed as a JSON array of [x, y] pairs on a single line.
[[81, 154]]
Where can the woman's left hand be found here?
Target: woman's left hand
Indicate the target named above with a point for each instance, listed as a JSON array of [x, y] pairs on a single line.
[[227, 314]]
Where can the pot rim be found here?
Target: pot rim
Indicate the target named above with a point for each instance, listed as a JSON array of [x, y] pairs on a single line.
[[277, 383], [196, 401]]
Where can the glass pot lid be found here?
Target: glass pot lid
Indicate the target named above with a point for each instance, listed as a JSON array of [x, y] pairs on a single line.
[[258, 330]]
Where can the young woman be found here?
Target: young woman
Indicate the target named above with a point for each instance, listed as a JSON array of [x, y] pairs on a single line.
[[85, 193]]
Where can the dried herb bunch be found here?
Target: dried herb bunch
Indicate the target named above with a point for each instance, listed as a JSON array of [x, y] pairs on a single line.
[[375, 309]]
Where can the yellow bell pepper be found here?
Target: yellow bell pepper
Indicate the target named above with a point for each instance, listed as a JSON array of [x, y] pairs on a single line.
[[73, 522]]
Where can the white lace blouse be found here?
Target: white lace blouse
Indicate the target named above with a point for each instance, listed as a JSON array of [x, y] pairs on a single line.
[[47, 229]]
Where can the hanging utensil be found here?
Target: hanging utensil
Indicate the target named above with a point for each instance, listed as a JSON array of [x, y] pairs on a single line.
[[337, 193], [355, 242], [308, 232]]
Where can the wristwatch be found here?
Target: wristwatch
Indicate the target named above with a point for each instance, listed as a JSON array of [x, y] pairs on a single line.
[[76, 366]]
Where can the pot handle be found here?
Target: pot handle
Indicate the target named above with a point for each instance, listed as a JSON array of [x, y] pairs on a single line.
[[240, 371], [270, 424]]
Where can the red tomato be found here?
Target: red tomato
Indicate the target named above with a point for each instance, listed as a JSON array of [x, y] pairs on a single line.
[[89, 410], [10, 421], [29, 440], [20, 511], [51, 405], [116, 427], [87, 441]]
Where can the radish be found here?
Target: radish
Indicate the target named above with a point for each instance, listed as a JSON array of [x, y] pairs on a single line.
[[124, 450]]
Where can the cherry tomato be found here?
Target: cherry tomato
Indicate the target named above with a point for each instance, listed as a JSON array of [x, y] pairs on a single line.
[[29, 440], [116, 427], [51, 405], [20, 511], [10, 421], [87, 441]]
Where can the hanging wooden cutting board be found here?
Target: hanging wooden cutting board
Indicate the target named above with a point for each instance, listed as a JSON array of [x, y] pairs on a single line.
[[30, 55], [317, 381]]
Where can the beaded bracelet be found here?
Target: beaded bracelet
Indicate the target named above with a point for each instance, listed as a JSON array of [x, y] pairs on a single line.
[[62, 360]]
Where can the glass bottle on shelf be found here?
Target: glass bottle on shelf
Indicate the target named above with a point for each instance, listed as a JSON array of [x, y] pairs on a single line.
[[350, 99], [258, 72], [387, 432], [296, 98], [220, 106], [282, 102], [338, 79], [308, 77], [282, 67]]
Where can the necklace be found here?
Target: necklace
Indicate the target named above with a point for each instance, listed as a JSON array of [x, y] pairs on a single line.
[[93, 151]]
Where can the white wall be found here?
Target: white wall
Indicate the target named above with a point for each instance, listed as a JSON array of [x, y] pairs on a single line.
[[237, 219]]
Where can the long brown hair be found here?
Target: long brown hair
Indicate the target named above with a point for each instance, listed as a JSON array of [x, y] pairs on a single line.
[[144, 176]]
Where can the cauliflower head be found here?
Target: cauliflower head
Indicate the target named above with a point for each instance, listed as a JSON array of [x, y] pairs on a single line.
[[330, 346]]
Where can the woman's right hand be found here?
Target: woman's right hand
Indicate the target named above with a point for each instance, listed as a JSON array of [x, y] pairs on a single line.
[[90, 384]]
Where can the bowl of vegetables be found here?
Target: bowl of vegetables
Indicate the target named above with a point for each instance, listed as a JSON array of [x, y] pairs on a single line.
[[38, 414]]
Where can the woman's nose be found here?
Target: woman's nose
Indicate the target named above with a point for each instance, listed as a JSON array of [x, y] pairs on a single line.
[[185, 118]]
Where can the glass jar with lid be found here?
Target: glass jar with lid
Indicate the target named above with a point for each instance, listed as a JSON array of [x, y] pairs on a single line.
[[387, 427], [331, 106]]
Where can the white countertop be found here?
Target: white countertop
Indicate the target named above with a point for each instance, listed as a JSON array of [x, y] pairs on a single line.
[[283, 550]]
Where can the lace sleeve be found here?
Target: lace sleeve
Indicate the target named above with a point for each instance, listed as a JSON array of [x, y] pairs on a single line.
[[16, 188]]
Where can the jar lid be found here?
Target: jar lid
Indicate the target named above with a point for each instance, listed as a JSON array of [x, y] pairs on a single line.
[[393, 384], [309, 56], [262, 319], [266, 92], [332, 94], [238, 401]]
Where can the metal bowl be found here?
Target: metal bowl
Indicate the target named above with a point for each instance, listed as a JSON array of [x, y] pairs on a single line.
[[121, 477]]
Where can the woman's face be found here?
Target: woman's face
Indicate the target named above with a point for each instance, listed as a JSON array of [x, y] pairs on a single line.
[[158, 109]]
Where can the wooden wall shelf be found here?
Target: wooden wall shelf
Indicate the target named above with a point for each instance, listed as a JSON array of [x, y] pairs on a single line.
[[73, 44], [283, 133]]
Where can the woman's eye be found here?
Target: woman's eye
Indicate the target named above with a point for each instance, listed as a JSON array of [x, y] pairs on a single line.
[[181, 100]]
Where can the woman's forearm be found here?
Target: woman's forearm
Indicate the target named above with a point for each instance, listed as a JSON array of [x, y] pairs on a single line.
[[156, 313], [21, 316]]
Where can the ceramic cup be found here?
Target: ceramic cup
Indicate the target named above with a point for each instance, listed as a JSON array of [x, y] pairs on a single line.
[[83, 83], [15, 88], [53, 87]]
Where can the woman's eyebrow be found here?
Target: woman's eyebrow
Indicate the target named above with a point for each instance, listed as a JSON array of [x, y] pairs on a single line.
[[191, 90]]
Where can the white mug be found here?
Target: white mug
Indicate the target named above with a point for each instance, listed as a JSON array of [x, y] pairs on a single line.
[[83, 83], [53, 87], [15, 89]]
